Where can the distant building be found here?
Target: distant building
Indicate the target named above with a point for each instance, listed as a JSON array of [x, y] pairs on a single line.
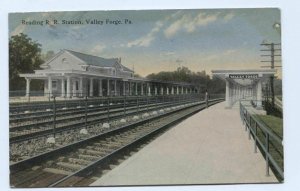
[[74, 74]]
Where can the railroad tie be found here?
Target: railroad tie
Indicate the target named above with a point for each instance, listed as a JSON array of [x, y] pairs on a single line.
[[70, 166], [91, 152], [79, 161], [112, 145], [87, 157], [102, 150], [57, 171]]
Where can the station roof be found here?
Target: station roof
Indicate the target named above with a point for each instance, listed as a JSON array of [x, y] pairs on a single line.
[[96, 60], [243, 77]]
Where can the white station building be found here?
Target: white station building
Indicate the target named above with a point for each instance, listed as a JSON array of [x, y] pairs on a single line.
[[244, 84], [74, 74]]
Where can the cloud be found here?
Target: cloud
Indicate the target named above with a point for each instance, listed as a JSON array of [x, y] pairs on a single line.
[[221, 55], [168, 53], [98, 49], [189, 23], [174, 28], [19, 29], [229, 52], [146, 40]]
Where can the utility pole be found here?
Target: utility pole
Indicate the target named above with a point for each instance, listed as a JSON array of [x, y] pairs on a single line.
[[273, 51]]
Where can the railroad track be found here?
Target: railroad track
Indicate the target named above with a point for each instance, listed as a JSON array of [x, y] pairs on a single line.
[[41, 106], [35, 108], [39, 119], [63, 123], [79, 106], [34, 145], [77, 164]]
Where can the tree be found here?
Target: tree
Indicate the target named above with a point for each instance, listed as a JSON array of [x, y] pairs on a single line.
[[137, 76], [24, 57], [198, 79], [50, 54]]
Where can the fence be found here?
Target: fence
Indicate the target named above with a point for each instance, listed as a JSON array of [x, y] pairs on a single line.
[[20, 97], [47, 116], [269, 142]]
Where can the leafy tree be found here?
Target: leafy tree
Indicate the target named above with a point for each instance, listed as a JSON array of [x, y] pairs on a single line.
[[198, 79], [137, 76], [216, 85], [24, 57], [50, 54]]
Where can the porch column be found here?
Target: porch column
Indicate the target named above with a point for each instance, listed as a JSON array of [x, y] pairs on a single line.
[[50, 86], [91, 87], [124, 88], [177, 90], [234, 93], [259, 95], [161, 90], [172, 90], [62, 87], [142, 89], [100, 88], [116, 93], [241, 92], [227, 94], [74, 87], [136, 88], [155, 90], [149, 89], [28, 87], [108, 88], [167, 90], [238, 90], [69, 86], [80, 87]]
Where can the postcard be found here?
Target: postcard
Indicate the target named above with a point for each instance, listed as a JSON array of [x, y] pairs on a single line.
[[145, 97]]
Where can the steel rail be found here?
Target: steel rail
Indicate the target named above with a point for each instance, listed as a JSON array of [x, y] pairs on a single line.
[[69, 103], [66, 110], [62, 150], [14, 168], [91, 167], [117, 114], [95, 113]]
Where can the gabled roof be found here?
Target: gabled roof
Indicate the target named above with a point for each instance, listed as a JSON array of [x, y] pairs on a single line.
[[126, 69], [97, 61]]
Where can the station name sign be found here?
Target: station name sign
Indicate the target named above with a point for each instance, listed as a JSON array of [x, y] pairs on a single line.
[[243, 76]]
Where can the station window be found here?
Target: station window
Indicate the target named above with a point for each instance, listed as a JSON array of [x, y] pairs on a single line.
[[54, 84], [77, 85]]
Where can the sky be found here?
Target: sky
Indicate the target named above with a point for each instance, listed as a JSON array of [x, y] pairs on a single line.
[[160, 40]]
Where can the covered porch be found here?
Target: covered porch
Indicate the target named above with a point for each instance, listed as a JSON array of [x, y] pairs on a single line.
[[244, 85], [81, 84]]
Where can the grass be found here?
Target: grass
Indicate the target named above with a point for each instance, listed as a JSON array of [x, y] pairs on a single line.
[[274, 123], [279, 97], [276, 149]]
